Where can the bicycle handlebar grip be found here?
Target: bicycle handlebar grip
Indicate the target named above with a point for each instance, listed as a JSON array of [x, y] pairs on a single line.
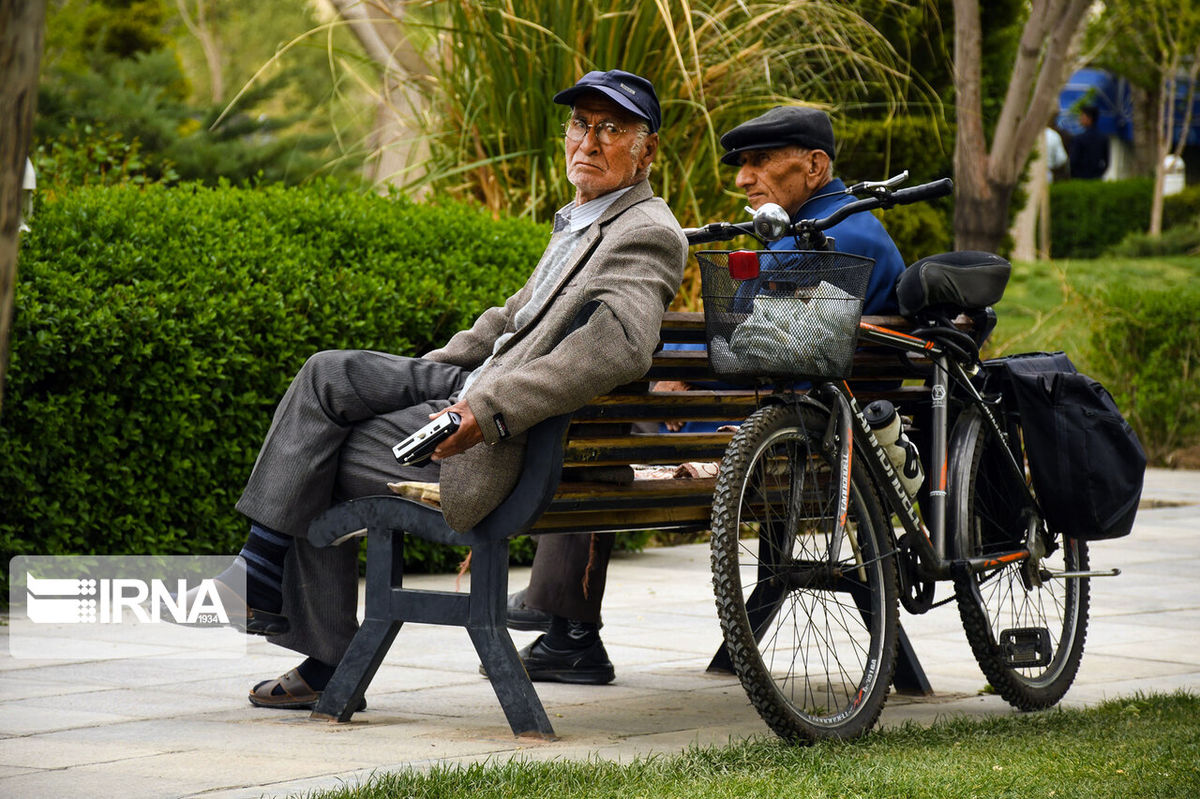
[[715, 231], [926, 191]]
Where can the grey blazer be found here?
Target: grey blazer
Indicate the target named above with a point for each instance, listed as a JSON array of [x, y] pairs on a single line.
[[630, 264]]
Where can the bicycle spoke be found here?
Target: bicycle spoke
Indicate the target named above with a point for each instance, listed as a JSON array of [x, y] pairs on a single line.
[[813, 641], [1026, 633]]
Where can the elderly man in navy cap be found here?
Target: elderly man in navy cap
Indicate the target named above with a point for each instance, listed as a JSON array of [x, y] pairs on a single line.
[[613, 264]]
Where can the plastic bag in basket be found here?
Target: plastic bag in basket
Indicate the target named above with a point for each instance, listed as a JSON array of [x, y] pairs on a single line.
[[785, 336]]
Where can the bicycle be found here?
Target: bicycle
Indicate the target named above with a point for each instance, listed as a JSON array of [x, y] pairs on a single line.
[[808, 570]]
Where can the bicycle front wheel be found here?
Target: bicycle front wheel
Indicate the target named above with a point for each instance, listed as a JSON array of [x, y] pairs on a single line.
[[1025, 627], [811, 634]]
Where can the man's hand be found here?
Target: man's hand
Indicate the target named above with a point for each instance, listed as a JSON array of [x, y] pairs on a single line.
[[672, 385], [467, 435]]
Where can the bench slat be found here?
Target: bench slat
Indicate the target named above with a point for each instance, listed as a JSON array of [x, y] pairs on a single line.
[[646, 448], [628, 520], [693, 366], [705, 406], [699, 405]]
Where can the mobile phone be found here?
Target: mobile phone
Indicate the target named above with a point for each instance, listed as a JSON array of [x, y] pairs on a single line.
[[416, 449]]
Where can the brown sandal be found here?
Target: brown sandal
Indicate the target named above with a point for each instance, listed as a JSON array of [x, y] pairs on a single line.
[[295, 693]]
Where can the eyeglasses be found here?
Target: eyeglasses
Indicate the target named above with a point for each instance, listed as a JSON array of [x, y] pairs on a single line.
[[607, 132]]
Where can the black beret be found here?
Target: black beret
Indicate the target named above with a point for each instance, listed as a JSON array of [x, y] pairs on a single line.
[[780, 127]]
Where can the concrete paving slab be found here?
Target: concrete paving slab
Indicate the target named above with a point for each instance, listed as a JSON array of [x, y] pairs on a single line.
[[141, 727], [51, 752]]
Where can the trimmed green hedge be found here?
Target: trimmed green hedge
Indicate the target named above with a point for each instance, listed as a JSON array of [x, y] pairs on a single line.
[[156, 329], [1147, 353], [1089, 217], [1182, 209]]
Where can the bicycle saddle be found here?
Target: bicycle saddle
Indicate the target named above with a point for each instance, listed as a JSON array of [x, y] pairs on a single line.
[[952, 282]]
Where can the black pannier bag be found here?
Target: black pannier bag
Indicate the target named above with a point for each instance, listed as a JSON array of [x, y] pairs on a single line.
[[1086, 462]]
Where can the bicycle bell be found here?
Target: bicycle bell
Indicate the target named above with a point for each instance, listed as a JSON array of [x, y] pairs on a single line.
[[771, 222]]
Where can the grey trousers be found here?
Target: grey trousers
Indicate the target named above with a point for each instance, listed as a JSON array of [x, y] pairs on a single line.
[[331, 440], [569, 574]]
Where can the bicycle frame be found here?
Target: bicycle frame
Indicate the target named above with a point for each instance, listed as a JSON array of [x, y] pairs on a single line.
[[846, 415]]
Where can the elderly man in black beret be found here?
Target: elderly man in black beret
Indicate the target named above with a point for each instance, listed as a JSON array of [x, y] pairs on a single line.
[[785, 157]]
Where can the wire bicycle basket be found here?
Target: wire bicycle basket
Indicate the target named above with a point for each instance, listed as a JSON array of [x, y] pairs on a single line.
[[782, 314]]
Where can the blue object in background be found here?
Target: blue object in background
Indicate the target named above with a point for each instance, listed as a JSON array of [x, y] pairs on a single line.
[[1114, 99], [1111, 96]]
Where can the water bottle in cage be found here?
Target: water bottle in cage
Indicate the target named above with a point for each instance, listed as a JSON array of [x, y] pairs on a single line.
[[885, 424]]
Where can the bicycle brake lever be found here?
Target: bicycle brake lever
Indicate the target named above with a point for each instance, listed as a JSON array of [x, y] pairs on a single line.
[[878, 186]]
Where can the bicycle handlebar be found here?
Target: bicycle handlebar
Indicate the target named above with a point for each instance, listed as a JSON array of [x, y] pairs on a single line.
[[882, 197], [718, 231], [926, 191]]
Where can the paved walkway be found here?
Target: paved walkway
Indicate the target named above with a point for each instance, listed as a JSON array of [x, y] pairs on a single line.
[[139, 727]]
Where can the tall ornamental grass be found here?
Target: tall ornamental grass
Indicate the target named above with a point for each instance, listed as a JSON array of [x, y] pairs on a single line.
[[494, 131]]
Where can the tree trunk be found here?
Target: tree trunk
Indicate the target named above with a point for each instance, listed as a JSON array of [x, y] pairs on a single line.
[[21, 24], [1145, 132], [1166, 124], [986, 176], [397, 145], [981, 218], [1029, 228], [1167, 130], [199, 27]]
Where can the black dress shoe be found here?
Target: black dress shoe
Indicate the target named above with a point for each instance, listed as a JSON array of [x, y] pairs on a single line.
[[587, 666], [522, 617]]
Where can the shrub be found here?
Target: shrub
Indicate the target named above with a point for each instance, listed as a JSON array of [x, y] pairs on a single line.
[[157, 328], [1147, 353], [869, 149], [1179, 240], [1089, 216], [919, 230]]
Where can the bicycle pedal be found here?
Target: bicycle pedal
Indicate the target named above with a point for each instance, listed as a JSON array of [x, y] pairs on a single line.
[[1026, 647]]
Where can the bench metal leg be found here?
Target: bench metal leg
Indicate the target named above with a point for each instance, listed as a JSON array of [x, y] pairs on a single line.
[[762, 605], [345, 690], [910, 676], [763, 602], [522, 706], [489, 632]]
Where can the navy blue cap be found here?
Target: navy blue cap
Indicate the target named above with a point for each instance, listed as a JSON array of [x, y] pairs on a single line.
[[632, 92], [780, 127]]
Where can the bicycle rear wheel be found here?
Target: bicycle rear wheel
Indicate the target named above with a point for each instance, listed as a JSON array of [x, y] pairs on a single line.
[[1025, 628], [812, 640]]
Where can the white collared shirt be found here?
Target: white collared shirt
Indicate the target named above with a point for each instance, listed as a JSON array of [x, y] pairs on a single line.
[[577, 217]]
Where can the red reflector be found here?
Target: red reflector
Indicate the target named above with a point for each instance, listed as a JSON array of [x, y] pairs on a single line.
[[743, 265]]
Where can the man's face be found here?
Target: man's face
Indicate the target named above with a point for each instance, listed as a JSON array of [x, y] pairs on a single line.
[[787, 176], [595, 168]]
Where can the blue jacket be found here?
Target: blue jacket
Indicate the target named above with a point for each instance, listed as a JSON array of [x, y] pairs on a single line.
[[860, 234]]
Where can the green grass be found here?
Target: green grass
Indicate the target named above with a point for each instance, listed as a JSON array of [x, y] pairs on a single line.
[[1051, 305], [1145, 746]]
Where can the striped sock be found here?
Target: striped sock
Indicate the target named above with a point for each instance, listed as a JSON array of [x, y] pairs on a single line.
[[264, 554]]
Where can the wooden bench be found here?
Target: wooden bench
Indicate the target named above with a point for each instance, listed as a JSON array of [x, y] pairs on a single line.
[[547, 500]]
